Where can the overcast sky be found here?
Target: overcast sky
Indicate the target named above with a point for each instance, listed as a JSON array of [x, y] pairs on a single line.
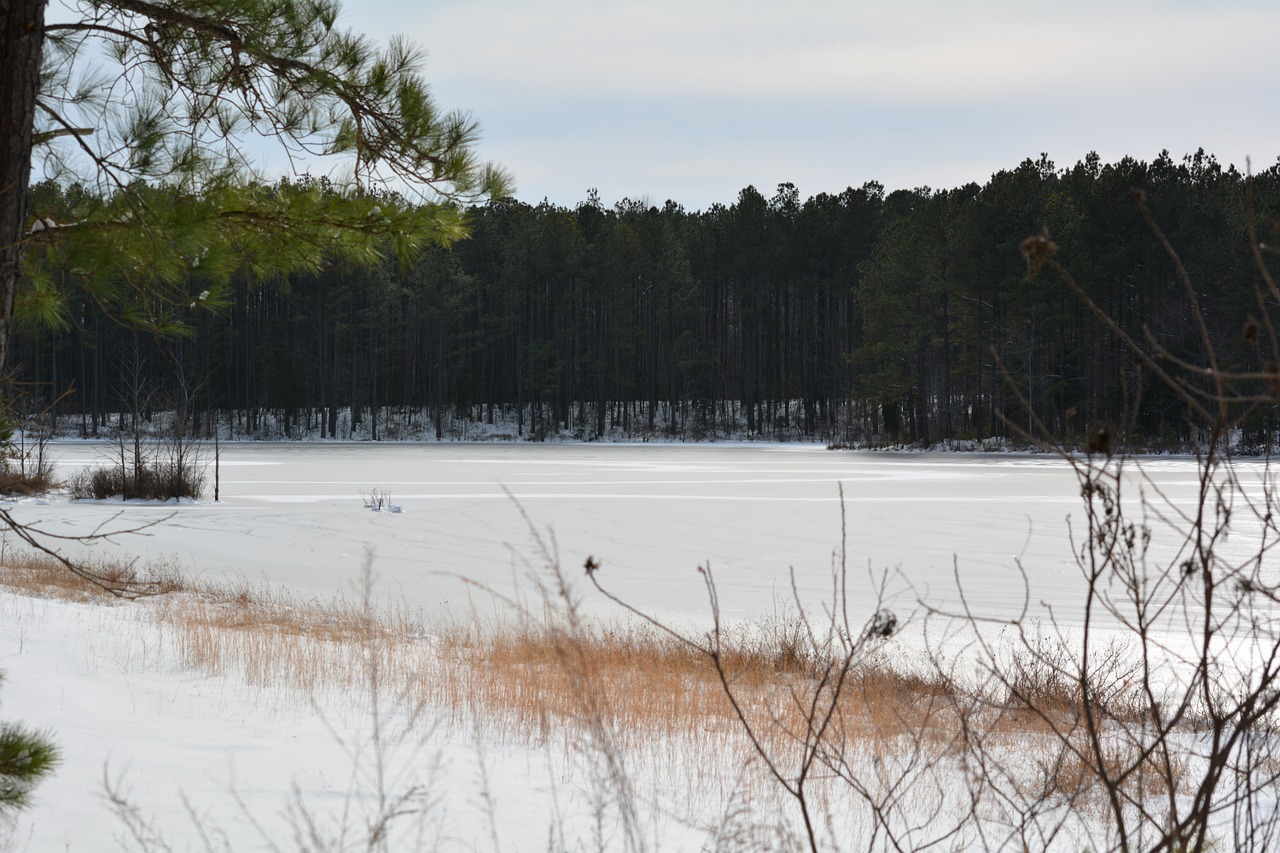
[[694, 100]]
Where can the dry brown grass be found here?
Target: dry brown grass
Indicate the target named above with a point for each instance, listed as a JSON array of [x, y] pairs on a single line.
[[271, 641], [41, 575], [543, 677], [538, 680], [528, 678]]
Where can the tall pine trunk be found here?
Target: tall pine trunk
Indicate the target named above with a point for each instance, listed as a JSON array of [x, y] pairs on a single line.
[[21, 37]]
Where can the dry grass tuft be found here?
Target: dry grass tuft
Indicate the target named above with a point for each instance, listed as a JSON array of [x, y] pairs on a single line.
[[539, 678], [41, 575], [269, 640]]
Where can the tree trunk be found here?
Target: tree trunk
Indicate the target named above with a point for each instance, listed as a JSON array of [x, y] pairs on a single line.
[[21, 37]]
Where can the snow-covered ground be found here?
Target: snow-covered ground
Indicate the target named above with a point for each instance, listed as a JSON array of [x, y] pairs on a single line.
[[292, 515]]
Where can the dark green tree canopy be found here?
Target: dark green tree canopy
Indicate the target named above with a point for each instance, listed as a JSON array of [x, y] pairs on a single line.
[[863, 316]]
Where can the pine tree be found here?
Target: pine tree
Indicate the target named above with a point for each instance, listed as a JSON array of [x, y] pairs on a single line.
[[26, 757], [148, 114], [144, 114]]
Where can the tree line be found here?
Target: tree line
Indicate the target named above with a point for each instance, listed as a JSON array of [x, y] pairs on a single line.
[[863, 317]]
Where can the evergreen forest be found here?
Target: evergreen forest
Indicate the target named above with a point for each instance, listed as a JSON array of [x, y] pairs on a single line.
[[863, 317]]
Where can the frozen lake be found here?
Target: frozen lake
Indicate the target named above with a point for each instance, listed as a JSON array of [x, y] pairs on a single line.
[[292, 514], [123, 704]]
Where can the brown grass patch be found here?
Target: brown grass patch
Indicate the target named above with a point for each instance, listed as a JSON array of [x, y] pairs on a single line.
[[643, 684], [535, 680], [270, 640], [528, 679], [38, 574]]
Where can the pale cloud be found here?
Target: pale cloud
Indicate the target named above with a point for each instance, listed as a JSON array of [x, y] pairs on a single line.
[[693, 100]]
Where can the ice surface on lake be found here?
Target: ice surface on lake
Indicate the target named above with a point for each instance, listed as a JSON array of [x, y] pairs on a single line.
[[293, 514]]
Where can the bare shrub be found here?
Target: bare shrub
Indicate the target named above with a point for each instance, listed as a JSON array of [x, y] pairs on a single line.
[[379, 500], [1158, 709], [158, 480], [1152, 724], [26, 465], [171, 468], [26, 479]]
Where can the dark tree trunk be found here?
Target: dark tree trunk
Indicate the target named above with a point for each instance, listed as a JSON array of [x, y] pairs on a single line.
[[21, 36]]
